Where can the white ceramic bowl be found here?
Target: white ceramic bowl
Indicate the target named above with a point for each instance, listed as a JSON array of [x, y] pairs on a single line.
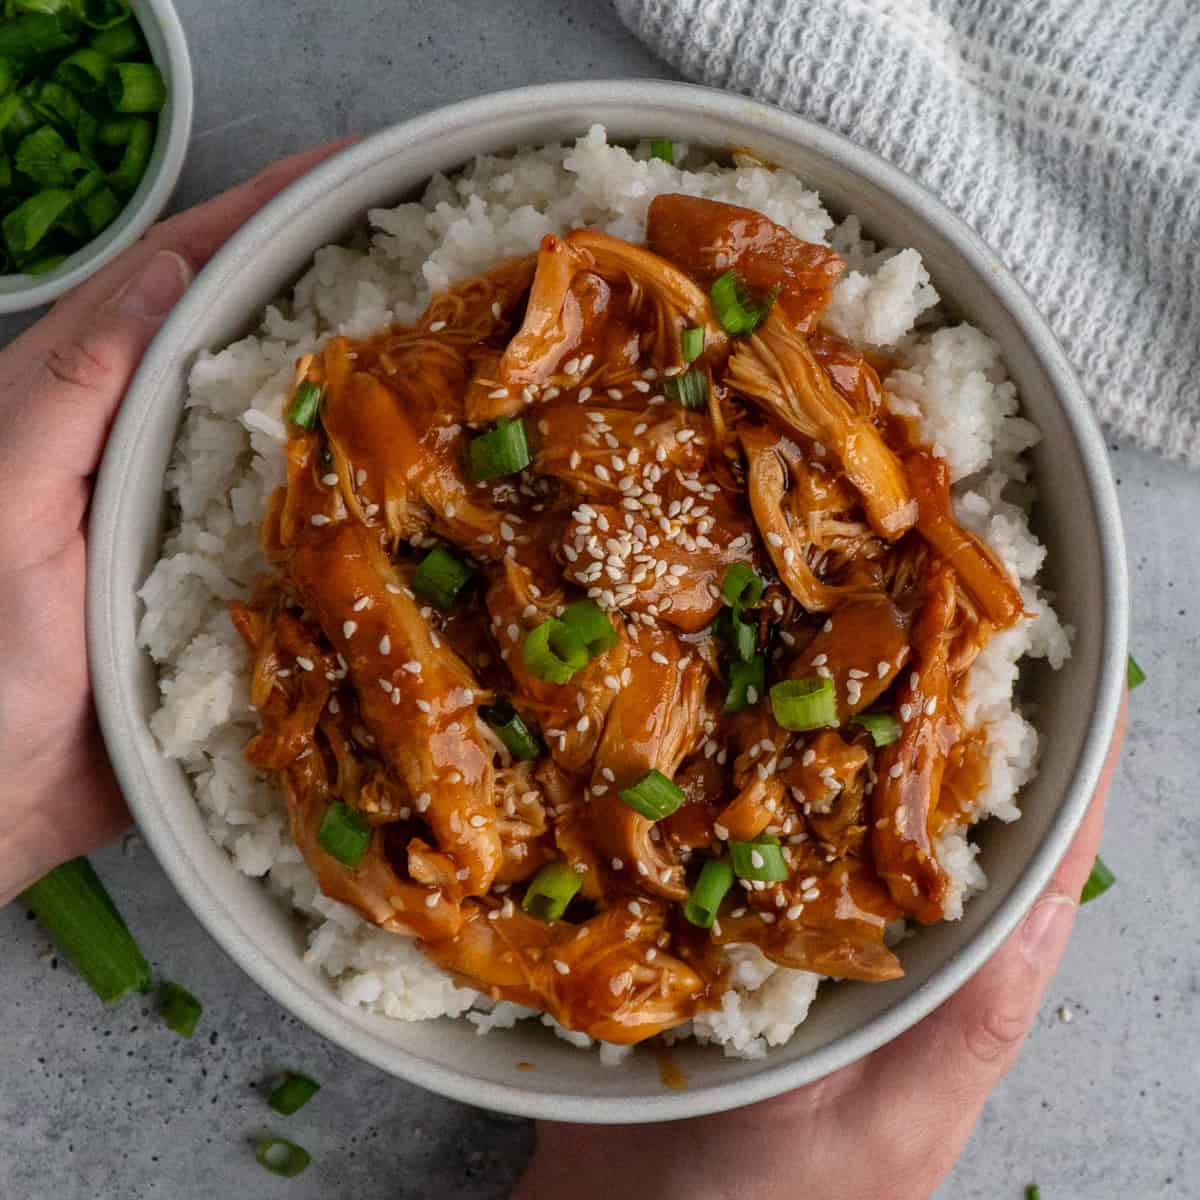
[[168, 48], [1077, 518]]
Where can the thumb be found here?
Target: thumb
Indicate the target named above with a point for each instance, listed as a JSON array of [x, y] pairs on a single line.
[[77, 375]]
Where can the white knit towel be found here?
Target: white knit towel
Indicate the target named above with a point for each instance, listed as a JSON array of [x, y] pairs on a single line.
[[1067, 132]]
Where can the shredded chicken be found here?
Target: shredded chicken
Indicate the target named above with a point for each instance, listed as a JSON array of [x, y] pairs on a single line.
[[374, 694]]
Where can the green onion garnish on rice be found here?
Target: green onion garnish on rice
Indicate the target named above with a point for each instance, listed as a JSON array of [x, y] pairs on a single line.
[[715, 879], [736, 309], [344, 834], [78, 913], [663, 148]]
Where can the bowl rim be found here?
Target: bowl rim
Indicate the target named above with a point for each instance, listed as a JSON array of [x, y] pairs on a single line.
[[116, 706], [145, 206]]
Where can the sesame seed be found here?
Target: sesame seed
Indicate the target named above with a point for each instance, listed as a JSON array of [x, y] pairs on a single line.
[[478, 821], [931, 706], [348, 628], [752, 695], [882, 668], [360, 477], [721, 832], [437, 327], [424, 706], [585, 394], [423, 801], [767, 918], [412, 667], [660, 658], [431, 901], [319, 519], [773, 539], [789, 555], [561, 967], [305, 664], [896, 770], [385, 644], [756, 859], [905, 712], [810, 894], [914, 680], [819, 660], [394, 588]]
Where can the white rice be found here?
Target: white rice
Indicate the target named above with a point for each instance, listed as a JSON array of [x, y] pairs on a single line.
[[229, 458]]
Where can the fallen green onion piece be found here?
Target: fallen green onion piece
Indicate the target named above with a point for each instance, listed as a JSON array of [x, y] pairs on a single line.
[[344, 834], [30, 221], [741, 587], [663, 148], [550, 891], [118, 44], [74, 908], [503, 450], [1033, 1192], [689, 389], [746, 683], [1134, 675], [134, 160], [136, 87], [553, 651], [715, 879], [179, 1009], [305, 405], [587, 619], [282, 1157], [735, 309], [441, 577], [522, 743], [292, 1093], [654, 796], [85, 71], [692, 343], [883, 727], [1098, 882], [800, 704], [761, 859]]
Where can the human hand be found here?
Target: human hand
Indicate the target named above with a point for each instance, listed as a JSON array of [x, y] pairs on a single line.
[[890, 1125], [60, 385]]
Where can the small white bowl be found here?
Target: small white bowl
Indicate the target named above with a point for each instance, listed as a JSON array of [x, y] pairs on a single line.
[[168, 48], [1077, 517]]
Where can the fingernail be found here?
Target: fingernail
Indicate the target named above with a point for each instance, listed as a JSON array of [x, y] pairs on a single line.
[[153, 291], [1046, 929]]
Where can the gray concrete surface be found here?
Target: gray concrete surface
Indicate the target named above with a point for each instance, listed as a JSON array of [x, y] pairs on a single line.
[[108, 1104]]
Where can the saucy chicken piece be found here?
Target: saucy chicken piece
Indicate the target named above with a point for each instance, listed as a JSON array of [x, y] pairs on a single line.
[[910, 770], [775, 367], [654, 724], [861, 649], [707, 238], [978, 567], [605, 977]]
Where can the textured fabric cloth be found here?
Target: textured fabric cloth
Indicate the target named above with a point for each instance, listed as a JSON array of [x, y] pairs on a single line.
[[1066, 132]]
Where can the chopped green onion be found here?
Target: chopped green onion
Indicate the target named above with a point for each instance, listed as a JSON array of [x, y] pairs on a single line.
[[741, 635], [59, 106], [116, 131], [179, 1009], [654, 796], [689, 389], [693, 344], [292, 1093], [44, 157], [1134, 675], [551, 890], [6, 174], [747, 683], [282, 1157], [306, 403], [77, 912], [134, 160], [760, 859], [104, 14], [522, 743], [27, 40], [8, 111], [587, 619], [883, 727], [503, 450], [43, 266], [1098, 882], [30, 221], [136, 87], [25, 119], [741, 587], [100, 209], [554, 651], [119, 43], [8, 77], [344, 834], [800, 704], [441, 577], [735, 309], [87, 129], [716, 878], [663, 148], [84, 72]]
